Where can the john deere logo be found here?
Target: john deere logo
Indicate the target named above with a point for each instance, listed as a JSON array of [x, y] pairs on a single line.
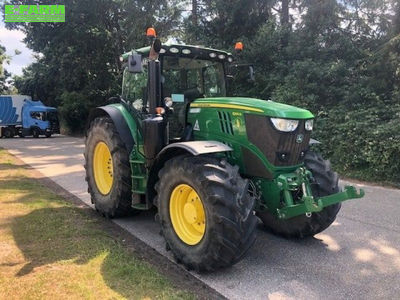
[[299, 138]]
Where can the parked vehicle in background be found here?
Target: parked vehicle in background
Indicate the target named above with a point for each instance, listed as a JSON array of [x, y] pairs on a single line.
[[20, 115]]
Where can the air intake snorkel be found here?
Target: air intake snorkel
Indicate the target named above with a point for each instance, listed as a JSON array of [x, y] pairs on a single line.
[[155, 125]]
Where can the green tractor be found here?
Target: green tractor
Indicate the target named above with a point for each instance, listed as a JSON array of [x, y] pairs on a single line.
[[211, 165]]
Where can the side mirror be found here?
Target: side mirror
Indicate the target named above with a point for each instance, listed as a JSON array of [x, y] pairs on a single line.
[[135, 63]]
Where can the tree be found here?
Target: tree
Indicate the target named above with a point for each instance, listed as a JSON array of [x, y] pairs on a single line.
[[221, 23], [79, 59], [396, 18], [4, 74]]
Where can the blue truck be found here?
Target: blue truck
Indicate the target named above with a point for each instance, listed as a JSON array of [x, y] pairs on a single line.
[[20, 115]]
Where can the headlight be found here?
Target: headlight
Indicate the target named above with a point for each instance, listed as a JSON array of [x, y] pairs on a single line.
[[285, 125], [309, 125]]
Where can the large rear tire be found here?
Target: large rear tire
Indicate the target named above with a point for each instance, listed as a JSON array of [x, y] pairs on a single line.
[[302, 226], [206, 212], [107, 169]]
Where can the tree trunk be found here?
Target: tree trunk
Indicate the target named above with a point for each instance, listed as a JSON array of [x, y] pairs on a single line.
[[396, 21], [285, 23], [285, 13], [194, 12]]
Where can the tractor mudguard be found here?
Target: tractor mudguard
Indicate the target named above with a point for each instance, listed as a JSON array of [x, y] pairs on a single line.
[[172, 150], [119, 121], [198, 147]]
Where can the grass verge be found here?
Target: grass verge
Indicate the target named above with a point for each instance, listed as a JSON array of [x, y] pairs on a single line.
[[51, 249]]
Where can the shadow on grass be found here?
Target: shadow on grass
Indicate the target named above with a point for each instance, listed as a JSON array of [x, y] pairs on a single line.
[[50, 235], [8, 166]]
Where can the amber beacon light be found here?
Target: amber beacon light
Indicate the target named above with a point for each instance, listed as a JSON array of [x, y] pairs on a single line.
[[151, 32], [239, 46]]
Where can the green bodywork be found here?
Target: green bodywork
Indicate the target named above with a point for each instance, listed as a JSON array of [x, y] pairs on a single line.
[[275, 193], [285, 179], [204, 112]]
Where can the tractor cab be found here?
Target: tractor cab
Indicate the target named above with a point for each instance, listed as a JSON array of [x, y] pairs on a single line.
[[187, 73]]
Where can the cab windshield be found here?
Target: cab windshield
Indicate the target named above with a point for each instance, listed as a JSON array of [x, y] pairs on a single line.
[[181, 75]]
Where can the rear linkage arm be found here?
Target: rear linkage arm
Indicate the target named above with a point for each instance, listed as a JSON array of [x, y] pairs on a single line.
[[303, 179]]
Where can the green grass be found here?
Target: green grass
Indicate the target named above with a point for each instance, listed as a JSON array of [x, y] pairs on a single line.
[[50, 249]]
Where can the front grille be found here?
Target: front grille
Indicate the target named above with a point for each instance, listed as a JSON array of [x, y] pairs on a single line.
[[280, 148]]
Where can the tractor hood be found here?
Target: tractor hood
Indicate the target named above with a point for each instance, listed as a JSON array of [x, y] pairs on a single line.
[[268, 108]]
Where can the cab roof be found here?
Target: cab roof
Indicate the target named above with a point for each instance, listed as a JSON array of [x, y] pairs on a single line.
[[181, 50]]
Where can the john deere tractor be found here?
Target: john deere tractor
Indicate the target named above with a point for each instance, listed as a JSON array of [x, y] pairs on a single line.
[[211, 165]]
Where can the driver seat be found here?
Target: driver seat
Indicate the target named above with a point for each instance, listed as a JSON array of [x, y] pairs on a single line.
[[178, 120]]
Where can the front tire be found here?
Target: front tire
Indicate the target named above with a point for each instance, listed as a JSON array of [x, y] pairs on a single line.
[[35, 133], [107, 169], [206, 212], [302, 226]]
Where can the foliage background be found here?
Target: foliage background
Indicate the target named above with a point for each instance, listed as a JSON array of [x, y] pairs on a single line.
[[338, 58]]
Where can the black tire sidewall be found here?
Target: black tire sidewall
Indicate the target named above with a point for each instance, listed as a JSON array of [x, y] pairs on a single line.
[[7, 133], [188, 178], [107, 204], [35, 133], [229, 211]]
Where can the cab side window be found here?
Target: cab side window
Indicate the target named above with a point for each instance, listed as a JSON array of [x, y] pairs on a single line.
[[212, 81], [134, 85], [37, 116]]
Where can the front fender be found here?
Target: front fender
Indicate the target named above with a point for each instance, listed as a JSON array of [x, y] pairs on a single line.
[[194, 148], [197, 147]]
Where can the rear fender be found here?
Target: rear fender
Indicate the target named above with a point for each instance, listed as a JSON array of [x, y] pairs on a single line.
[[123, 121]]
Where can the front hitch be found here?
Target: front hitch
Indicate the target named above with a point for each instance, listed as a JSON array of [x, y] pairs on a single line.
[[302, 179]]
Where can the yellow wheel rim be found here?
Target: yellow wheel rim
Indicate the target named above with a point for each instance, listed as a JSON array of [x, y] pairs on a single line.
[[187, 214], [103, 168]]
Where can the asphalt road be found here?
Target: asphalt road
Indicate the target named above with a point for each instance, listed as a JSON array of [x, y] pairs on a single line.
[[358, 257]]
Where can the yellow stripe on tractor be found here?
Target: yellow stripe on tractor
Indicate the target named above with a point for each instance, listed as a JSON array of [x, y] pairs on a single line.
[[220, 105]]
